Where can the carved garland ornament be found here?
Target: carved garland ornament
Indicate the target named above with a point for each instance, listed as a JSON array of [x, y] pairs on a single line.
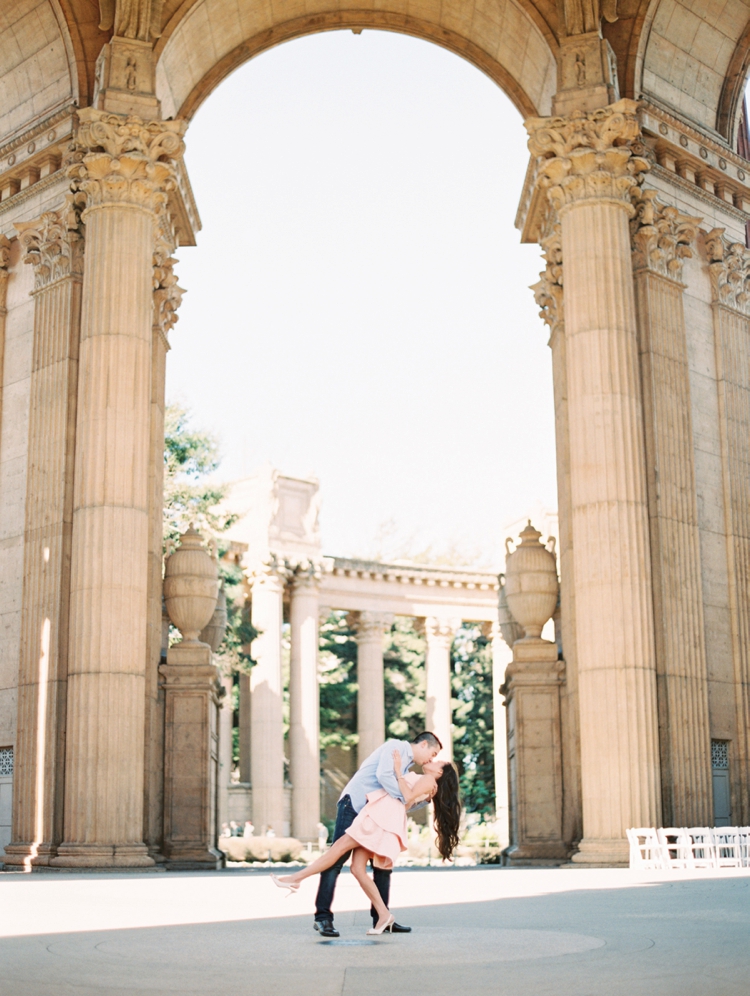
[[589, 156], [125, 160], [548, 293], [54, 244], [729, 266], [663, 237]]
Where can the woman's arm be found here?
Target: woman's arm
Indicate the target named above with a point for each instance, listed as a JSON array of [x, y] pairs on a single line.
[[424, 786]]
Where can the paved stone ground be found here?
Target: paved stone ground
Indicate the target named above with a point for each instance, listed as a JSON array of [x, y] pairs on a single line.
[[504, 932]]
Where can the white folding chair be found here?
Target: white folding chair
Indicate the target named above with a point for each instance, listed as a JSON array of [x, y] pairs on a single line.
[[676, 847], [727, 847], [702, 850], [646, 852]]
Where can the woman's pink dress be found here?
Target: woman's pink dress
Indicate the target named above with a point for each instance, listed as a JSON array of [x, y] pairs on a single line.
[[381, 826]]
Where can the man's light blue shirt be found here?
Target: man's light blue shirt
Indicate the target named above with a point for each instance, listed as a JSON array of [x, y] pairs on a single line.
[[376, 772]]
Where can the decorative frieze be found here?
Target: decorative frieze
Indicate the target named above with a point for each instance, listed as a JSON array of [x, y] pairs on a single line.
[[663, 237]]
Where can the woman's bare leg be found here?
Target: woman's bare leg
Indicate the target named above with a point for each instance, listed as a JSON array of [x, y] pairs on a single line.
[[359, 871], [332, 855]]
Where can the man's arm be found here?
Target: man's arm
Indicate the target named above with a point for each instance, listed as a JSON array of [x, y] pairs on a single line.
[[384, 773]]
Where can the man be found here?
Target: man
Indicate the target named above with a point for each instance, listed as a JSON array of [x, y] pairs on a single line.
[[374, 773]]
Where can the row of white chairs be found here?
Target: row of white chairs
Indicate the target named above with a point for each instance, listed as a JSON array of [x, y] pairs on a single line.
[[667, 848]]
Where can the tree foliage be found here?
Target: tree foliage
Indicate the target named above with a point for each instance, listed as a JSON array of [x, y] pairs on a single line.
[[191, 456], [473, 727]]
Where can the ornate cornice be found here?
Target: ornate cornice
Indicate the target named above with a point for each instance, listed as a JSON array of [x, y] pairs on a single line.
[[589, 156], [729, 266], [548, 292], [125, 160], [663, 237], [53, 244]]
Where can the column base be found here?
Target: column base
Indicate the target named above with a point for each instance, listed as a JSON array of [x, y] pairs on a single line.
[[102, 856], [537, 855], [27, 855], [606, 853], [194, 859]]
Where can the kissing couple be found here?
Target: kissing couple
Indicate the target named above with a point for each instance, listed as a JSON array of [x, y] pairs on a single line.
[[371, 825]]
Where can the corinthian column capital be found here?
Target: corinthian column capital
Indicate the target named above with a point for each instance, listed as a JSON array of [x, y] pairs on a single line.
[[663, 237], [439, 631], [371, 626], [53, 245], [4, 255], [125, 160], [589, 156], [270, 575], [729, 266]]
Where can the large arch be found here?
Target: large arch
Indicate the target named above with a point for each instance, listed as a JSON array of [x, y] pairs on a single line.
[[695, 63], [202, 46]]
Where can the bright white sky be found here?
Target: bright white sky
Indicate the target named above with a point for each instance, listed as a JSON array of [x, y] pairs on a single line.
[[358, 303]]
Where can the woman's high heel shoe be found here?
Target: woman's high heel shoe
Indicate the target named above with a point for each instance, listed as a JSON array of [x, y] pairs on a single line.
[[388, 925], [292, 886]]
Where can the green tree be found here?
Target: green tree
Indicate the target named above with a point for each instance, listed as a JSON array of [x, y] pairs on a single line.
[[473, 729], [338, 682], [404, 680]]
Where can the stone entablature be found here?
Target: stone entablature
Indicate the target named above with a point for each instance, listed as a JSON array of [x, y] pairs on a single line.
[[408, 589]]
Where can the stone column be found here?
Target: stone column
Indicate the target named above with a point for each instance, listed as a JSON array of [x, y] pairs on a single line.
[[662, 239], [54, 246], [549, 296], [4, 263], [226, 720], [304, 708], [166, 300], [123, 167], [371, 628], [588, 167], [500, 735], [729, 265], [439, 635], [244, 727], [266, 699]]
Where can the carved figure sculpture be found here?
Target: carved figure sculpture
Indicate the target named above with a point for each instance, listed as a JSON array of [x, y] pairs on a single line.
[[139, 19]]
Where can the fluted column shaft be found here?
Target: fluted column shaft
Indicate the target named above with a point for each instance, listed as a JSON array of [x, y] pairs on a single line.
[[122, 173], [662, 239], [266, 702], [304, 708], [226, 721], [729, 266], [371, 628], [54, 246], [439, 635], [589, 174]]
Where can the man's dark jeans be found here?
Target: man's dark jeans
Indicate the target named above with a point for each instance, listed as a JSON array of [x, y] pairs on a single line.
[[345, 814]]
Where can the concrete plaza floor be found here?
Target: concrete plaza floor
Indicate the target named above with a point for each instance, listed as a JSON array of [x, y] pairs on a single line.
[[505, 932]]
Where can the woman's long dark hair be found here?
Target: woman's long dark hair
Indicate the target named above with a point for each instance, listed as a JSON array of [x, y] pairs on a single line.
[[447, 803]]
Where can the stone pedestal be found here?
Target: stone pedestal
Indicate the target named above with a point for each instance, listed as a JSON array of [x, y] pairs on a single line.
[[371, 628], [532, 691], [304, 748], [266, 702], [191, 757], [439, 635]]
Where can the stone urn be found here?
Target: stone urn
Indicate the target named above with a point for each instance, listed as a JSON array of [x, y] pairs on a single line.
[[213, 634], [191, 585], [531, 582], [509, 627]]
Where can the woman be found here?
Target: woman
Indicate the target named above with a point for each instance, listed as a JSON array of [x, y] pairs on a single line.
[[379, 830]]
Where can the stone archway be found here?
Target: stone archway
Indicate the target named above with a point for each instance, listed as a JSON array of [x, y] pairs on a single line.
[[640, 209]]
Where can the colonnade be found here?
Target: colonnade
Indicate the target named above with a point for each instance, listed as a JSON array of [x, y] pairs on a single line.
[[262, 747]]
